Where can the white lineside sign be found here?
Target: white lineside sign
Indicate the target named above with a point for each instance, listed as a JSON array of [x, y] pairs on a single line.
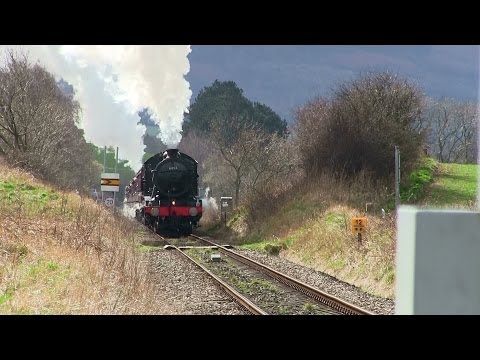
[[110, 182], [438, 265]]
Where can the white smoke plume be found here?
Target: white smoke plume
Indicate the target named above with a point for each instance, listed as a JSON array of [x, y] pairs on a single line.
[[129, 210], [210, 208], [210, 202], [113, 82]]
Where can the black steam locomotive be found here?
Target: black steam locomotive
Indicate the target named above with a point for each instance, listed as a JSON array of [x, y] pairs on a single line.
[[166, 188]]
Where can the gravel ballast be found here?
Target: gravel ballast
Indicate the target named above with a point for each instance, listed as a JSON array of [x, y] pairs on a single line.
[[186, 288], [324, 282]]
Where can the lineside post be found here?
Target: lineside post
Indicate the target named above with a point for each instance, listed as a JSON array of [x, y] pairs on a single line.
[[397, 177]]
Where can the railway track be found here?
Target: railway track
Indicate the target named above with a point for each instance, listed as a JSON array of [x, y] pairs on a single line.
[[234, 294], [329, 300], [336, 305]]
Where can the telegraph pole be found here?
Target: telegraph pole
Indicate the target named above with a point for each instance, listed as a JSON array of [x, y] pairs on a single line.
[[397, 177]]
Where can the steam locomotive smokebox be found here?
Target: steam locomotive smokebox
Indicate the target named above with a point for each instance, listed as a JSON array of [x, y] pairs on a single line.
[[171, 152]]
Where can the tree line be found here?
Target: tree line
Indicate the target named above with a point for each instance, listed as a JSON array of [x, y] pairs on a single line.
[[39, 131], [38, 126], [254, 156], [243, 147]]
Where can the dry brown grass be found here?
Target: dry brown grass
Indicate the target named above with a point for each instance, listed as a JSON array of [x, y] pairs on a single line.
[[327, 244], [67, 255], [309, 199], [313, 226]]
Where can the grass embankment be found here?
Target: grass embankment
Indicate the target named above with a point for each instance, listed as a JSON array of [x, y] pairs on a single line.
[[61, 253], [313, 226], [454, 187], [321, 238]]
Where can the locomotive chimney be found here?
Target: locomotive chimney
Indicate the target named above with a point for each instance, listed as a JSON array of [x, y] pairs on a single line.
[[170, 153]]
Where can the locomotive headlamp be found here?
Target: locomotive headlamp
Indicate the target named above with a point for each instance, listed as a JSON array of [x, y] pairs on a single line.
[[193, 211], [173, 202]]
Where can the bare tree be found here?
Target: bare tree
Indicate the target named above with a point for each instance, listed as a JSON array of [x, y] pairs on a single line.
[[271, 161], [235, 140], [358, 127], [198, 146], [310, 127], [248, 161], [38, 125], [218, 174], [453, 127], [468, 120]]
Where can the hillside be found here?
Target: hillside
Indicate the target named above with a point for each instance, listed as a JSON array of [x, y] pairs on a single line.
[[312, 227], [61, 253]]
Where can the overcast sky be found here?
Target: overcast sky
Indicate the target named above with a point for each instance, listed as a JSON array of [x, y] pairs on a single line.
[[284, 77]]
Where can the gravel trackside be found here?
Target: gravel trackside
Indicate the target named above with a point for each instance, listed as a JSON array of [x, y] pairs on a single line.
[[325, 283], [186, 288]]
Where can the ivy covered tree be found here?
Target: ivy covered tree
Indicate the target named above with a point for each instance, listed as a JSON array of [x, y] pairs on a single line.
[[225, 100]]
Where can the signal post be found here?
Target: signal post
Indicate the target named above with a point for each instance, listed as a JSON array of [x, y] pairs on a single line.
[[110, 182]]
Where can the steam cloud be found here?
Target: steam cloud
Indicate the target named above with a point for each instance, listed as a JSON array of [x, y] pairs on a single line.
[[113, 82], [129, 210], [210, 202]]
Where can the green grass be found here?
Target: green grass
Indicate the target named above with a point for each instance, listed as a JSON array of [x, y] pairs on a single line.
[[335, 220], [266, 246], [6, 296], [418, 181], [455, 185], [337, 264], [33, 198], [45, 269], [9, 190], [389, 275], [309, 307], [39, 276], [259, 246], [252, 285]]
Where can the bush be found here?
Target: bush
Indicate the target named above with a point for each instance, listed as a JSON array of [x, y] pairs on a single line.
[[359, 127], [274, 249]]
